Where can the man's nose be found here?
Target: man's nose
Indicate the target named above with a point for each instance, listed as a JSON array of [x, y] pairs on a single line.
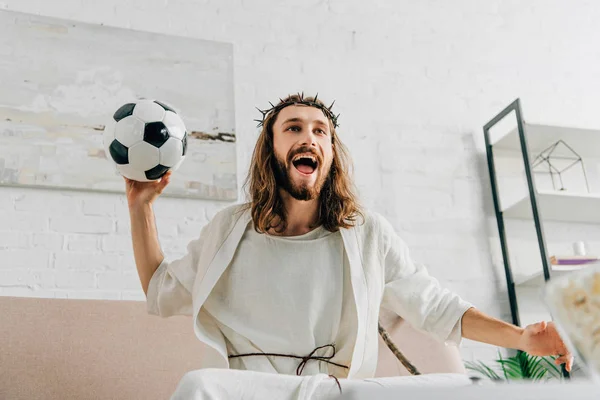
[[309, 139]]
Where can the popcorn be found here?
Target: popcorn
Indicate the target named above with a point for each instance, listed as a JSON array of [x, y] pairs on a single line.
[[574, 301]]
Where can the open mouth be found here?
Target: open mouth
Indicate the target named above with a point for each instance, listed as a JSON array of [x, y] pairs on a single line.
[[305, 163]]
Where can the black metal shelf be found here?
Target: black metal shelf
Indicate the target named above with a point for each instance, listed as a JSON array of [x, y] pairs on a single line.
[[515, 107]]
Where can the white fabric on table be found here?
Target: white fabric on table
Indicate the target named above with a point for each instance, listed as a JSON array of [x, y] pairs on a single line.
[[223, 384]]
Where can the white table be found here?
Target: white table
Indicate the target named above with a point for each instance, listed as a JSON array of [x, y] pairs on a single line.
[[583, 390]]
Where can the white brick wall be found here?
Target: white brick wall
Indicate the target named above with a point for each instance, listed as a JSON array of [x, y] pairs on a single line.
[[414, 82]]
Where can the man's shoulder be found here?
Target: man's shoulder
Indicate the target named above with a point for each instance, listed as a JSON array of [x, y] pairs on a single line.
[[372, 222], [230, 214], [221, 224], [378, 231]]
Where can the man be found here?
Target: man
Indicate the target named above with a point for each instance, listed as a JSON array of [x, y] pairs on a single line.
[[291, 283]]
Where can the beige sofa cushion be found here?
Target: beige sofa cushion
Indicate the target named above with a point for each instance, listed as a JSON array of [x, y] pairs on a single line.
[[423, 351], [108, 349]]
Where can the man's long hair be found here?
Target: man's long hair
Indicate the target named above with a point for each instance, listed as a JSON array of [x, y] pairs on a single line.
[[338, 203]]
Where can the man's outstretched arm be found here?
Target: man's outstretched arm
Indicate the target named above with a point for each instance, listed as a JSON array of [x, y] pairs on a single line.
[[540, 339]]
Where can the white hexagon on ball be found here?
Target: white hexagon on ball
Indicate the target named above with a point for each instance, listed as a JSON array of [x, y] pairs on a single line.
[[143, 156], [174, 124], [174, 167], [171, 152], [148, 111], [131, 172], [129, 131]]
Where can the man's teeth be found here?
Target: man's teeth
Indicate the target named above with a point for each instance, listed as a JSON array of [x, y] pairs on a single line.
[[311, 157]]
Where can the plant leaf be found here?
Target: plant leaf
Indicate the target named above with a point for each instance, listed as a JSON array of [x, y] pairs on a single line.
[[515, 373], [500, 361], [492, 373], [525, 362], [512, 371], [553, 368], [511, 363], [512, 367], [482, 369], [539, 374], [475, 367], [535, 366]]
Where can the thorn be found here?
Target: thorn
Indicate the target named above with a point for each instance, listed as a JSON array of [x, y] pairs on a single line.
[[261, 111], [316, 96], [331, 106], [271, 104]]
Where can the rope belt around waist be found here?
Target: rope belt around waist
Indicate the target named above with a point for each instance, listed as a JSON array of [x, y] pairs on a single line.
[[304, 359]]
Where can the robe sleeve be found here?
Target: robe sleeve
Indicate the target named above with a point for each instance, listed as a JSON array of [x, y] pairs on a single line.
[[170, 288], [416, 296]]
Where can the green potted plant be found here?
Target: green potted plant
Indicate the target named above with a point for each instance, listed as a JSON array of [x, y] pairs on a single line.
[[521, 366]]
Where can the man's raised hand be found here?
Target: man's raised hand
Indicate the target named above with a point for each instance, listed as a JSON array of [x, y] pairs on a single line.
[[144, 193]]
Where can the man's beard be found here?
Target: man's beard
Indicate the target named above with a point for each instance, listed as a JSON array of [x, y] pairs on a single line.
[[303, 191]]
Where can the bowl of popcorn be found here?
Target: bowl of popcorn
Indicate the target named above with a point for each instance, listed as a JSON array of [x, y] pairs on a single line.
[[574, 302]]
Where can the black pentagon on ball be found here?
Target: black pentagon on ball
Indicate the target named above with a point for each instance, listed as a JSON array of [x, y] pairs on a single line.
[[184, 142], [166, 107], [118, 152], [124, 111], [156, 172], [156, 133]]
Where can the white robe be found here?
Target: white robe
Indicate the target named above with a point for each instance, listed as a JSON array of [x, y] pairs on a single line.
[[381, 274], [294, 321]]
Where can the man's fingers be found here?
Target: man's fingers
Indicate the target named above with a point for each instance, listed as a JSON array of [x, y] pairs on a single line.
[[570, 364], [567, 360], [564, 360], [164, 181]]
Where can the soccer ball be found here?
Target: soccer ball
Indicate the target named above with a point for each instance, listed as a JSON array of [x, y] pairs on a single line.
[[147, 139]]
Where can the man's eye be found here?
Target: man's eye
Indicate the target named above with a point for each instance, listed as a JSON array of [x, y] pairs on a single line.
[[294, 128], [321, 131]]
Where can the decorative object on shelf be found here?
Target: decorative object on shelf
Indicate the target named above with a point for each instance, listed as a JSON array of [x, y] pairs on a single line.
[[573, 260], [555, 160], [576, 261], [579, 248]]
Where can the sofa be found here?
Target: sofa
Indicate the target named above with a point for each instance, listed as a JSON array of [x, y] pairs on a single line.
[[113, 349]]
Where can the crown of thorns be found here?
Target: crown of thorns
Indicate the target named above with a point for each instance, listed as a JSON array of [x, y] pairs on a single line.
[[294, 101]]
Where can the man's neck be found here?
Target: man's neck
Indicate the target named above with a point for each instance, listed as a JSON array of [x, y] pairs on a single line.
[[301, 216]]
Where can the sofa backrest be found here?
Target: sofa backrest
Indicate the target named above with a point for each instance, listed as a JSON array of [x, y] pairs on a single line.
[[112, 349]]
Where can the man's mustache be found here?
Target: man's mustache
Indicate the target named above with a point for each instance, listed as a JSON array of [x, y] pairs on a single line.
[[305, 150]]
